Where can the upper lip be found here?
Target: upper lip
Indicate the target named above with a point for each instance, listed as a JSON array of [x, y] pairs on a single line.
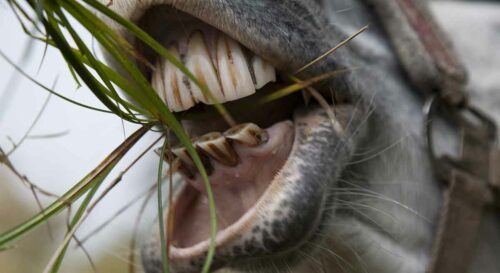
[[286, 51]]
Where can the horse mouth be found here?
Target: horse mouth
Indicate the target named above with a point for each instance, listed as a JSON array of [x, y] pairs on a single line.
[[239, 189], [247, 163], [242, 160]]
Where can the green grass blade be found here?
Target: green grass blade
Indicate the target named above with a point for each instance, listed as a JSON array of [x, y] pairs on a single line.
[[146, 38], [161, 223], [239, 106], [166, 115], [75, 192], [142, 93], [167, 118], [300, 85], [78, 216], [90, 57], [112, 75], [55, 33], [22, 72]]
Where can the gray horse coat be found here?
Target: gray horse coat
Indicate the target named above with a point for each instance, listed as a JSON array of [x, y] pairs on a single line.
[[366, 201]]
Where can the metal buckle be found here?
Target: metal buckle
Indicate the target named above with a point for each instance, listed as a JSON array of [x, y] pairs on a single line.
[[478, 135]]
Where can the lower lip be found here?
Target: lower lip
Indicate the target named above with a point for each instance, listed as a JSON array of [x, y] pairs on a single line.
[[236, 201]]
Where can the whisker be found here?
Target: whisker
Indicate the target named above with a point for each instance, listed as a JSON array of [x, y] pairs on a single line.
[[344, 10], [330, 51], [356, 254], [348, 125], [376, 223], [385, 198], [370, 207], [312, 259], [389, 147], [334, 255]]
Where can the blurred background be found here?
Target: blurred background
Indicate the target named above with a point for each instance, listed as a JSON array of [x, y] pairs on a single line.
[[64, 143]]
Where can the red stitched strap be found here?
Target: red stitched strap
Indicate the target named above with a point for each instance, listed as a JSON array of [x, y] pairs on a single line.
[[428, 33], [473, 180], [423, 48]]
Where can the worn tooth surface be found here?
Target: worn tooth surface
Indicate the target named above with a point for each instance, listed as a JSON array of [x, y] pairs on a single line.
[[217, 147], [182, 153], [247, 134], [161, 81], [184, 87], [183, 168], [168, 82], [199, 62], [235, 78], [220, 64], [263, 71]]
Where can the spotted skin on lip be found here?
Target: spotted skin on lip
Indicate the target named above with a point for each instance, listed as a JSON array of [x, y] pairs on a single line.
[[288, 205]]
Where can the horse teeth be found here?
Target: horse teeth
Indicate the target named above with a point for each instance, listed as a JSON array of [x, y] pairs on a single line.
[[248, 134], [181, 152], [235, 77], [183, 155], [180, 161], [169, 83], [178, 165], [201, 65], [263, 72], [217, 147], [218, 62], [206, 162]]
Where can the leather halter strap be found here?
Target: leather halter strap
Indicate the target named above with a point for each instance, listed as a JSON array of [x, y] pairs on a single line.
[[423, 49], [472, 181]]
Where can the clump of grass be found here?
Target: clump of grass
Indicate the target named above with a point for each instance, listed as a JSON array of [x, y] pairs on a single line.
[[51, 22]]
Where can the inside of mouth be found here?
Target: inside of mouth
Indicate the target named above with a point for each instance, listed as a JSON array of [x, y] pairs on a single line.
[[236, 188], [237, 185]]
